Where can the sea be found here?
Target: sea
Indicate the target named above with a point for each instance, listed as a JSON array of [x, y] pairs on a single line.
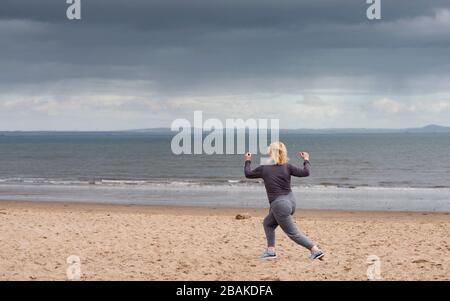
[[350, 171]]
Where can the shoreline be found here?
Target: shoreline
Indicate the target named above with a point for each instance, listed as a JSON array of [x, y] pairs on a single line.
[[147, 242], [229, 196], [202, 209]]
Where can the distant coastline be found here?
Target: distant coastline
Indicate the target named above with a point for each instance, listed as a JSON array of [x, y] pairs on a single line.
[[428, 129]]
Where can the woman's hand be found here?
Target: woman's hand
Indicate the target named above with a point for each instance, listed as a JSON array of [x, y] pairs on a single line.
[[304, 156], [247, 156]]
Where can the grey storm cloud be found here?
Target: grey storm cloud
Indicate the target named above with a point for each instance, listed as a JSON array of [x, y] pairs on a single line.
[[179, 55]]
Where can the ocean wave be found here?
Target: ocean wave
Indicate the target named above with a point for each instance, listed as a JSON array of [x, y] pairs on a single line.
[[37, 181], [120, 182], [180, 183]]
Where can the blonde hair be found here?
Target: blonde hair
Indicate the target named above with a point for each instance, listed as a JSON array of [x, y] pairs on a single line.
[[278, 153]]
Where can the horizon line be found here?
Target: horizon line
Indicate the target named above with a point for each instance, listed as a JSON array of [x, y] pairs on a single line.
[[246, 128]]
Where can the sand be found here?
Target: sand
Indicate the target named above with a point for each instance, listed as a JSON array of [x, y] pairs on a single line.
[[117, 242]]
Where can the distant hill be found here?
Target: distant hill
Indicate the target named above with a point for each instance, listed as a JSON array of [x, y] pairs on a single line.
[[432, 128], [150, 131]]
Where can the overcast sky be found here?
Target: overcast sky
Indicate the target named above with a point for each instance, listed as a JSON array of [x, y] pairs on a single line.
[[142, 63]]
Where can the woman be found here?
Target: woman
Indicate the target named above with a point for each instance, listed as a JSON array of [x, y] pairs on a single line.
[[277, 180]]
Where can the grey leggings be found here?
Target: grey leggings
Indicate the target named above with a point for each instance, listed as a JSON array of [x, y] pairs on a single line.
[[281, 211]]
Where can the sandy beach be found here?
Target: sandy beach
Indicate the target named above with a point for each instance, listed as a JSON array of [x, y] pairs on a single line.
[[118, 242]]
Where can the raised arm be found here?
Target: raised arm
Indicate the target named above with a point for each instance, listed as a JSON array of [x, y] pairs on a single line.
[[301, 172], [252, 174], [249, 173]]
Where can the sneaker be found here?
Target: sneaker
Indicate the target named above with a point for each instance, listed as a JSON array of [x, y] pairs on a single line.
[[268, 255], [317, 255]]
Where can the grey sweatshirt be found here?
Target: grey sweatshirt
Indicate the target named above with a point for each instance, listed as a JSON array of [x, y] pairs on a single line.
[[277, 178]]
